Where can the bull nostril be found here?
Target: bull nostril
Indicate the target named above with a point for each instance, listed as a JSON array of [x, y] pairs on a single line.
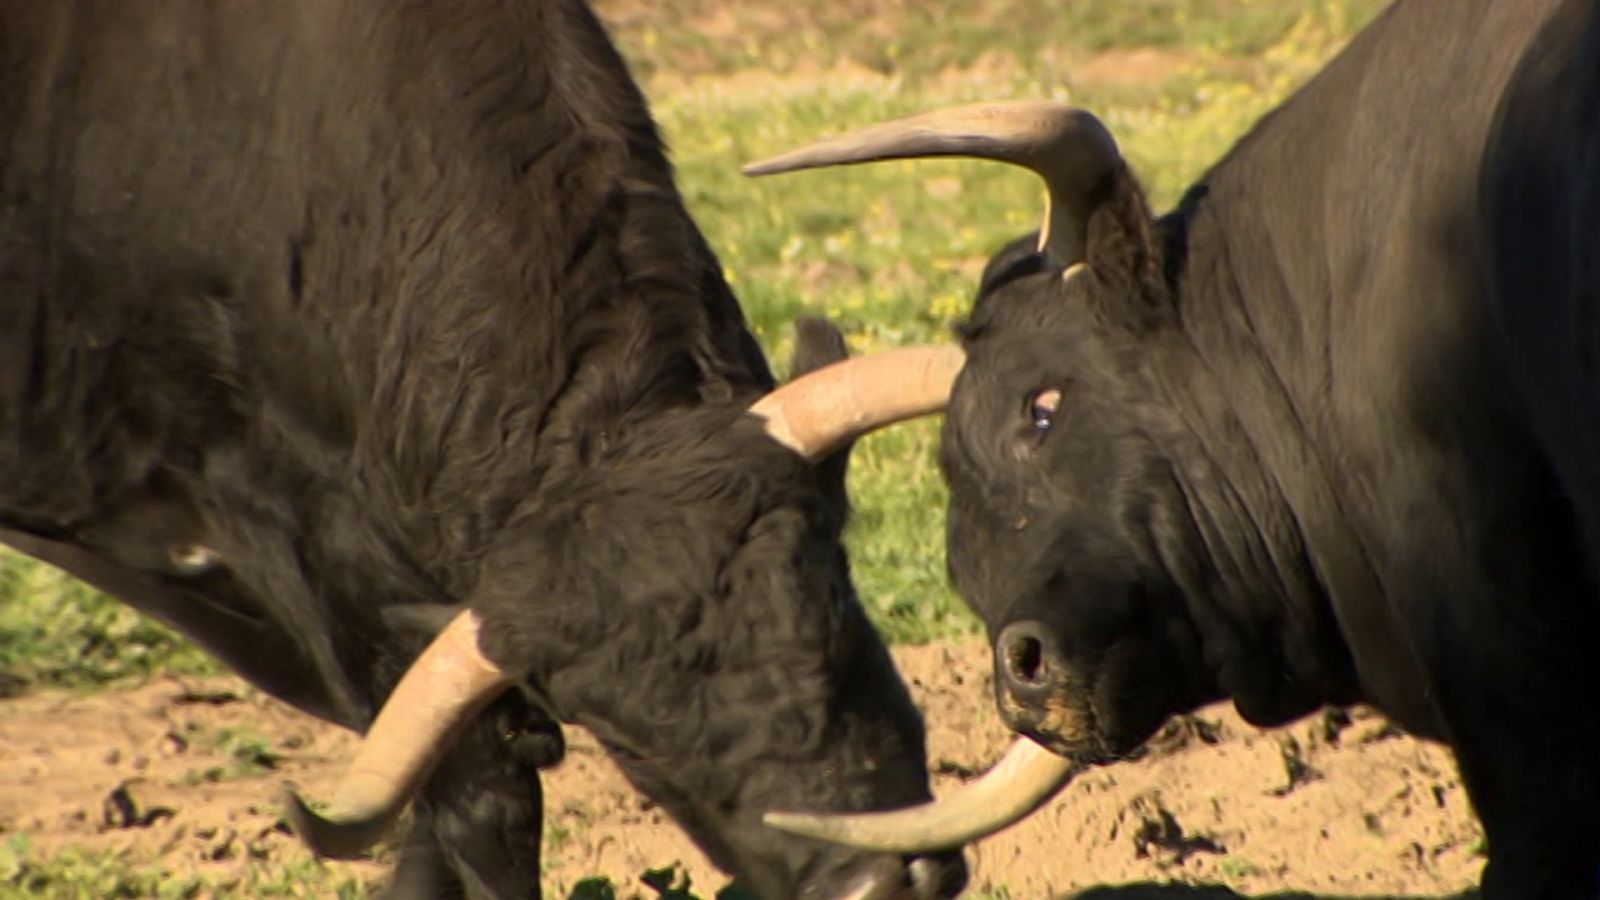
[[1025, 661]]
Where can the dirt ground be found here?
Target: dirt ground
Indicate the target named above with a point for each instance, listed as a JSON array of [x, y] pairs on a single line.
[[183, 774]]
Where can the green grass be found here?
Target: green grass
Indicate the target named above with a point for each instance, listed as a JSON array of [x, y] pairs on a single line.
[[79, 875], [57, 632], [1237, 868], [890, 252]]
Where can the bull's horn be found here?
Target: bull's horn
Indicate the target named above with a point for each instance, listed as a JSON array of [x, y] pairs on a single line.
[[1020, 783], [1068, 147], [817, 412], [445, 688]]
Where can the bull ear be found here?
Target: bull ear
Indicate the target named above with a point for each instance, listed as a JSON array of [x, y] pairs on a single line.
[[1125, 257], [819, 343]]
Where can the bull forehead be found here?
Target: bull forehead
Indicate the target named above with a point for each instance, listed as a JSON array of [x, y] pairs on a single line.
[[1036, 333]]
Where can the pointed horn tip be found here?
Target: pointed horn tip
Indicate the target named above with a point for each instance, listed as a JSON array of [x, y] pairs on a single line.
[[330, 838], [839, 829], [1016, 786], [791, 821], [764, 167]]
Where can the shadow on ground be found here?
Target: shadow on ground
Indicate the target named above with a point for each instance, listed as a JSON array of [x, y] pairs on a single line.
[[1147, 891]]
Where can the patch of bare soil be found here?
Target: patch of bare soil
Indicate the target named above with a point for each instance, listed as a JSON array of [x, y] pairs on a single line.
[[1139, 65], [184, 775], [678, 47]]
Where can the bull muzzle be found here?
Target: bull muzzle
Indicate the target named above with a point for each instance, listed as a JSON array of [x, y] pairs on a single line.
[[1040, 695]]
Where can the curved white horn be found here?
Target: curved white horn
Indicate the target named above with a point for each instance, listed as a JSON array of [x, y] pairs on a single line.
[[1068, 147], [450, 682], [817, 412], [1024, 780]]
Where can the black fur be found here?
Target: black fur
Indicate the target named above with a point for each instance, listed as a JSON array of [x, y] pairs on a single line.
[[396, 308], [1328, 432]]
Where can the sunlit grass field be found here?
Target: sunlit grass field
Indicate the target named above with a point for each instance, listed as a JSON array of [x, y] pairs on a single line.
[[890, 252]]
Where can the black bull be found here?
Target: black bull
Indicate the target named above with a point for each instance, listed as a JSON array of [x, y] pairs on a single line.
[[1328, 432], [322, 321]]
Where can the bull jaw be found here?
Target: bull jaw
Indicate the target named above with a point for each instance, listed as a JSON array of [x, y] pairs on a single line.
[[886, 881], [875, 886]]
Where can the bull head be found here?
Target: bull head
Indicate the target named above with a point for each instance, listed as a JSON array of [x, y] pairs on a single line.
[[1080, 164], [452, 680]]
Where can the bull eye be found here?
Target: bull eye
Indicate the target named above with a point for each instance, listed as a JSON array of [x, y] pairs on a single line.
[[1042, 409]]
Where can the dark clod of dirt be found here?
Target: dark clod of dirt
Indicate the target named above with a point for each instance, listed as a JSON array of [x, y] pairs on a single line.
[[192, 697], [12, 686], [172, 743], [953, 768], [1334, 721], [1295, 767], [1157, 835], [121, 811], [1440, 792], [1181, 732], [223, 849]]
